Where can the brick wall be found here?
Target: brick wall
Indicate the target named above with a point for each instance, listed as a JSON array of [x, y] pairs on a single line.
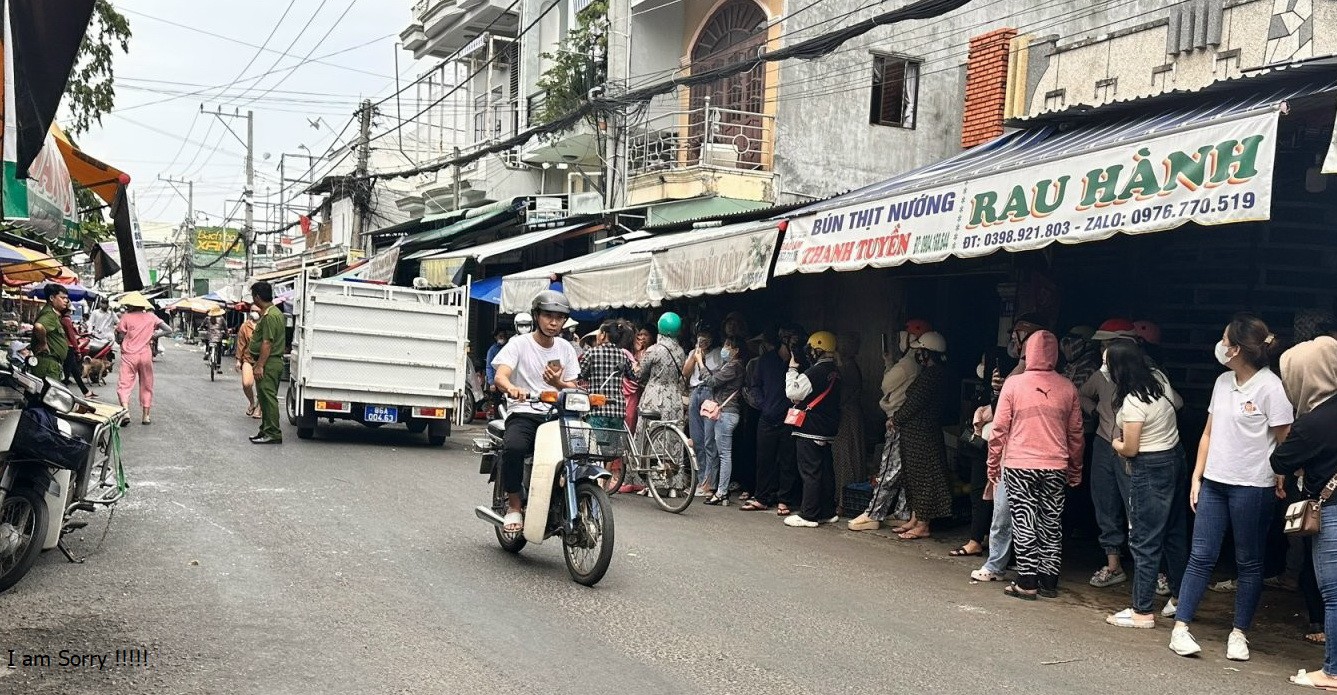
[[986, 87]]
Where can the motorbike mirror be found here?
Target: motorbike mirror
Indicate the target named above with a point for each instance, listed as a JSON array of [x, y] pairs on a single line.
[[31, 362], [548, 397]]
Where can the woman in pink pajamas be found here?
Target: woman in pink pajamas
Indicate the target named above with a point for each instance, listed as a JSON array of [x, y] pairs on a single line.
[[137, 329]]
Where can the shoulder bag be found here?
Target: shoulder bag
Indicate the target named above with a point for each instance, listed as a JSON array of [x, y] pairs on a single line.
[[711, 410], [797, 416], [1305, 518]]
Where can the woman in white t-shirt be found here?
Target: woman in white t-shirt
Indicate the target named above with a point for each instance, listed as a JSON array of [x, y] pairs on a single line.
[[1233, 483], [1147, 439]]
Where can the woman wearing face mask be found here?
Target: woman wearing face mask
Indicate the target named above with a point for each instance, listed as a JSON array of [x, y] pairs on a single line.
[[1147, 437], [726, 385], [1233, 485], [923, 451], [245, 363]]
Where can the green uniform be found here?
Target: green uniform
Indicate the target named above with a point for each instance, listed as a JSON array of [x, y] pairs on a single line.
[[271, 328], [52, 362]]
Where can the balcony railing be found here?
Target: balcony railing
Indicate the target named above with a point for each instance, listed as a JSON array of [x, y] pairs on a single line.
[[496, 121], [703, 137]]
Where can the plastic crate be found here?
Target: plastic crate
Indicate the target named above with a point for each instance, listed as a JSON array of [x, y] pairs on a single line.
[[856, 497]]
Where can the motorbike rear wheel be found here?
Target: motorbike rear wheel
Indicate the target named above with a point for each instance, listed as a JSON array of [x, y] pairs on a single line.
[[510, 542], [24, 509], [589, 550]]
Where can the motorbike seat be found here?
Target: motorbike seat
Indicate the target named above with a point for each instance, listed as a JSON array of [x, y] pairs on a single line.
[[496, 428]]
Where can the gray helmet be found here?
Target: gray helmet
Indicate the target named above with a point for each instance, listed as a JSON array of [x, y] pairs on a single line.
[[551, 300]]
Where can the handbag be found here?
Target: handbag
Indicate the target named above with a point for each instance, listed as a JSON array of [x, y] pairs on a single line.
[[711, 410], [795, 417], [1305, 518]]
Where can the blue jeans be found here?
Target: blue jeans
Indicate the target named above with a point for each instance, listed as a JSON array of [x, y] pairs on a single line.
[[1000, 532], [702, 444], [721, 432], [1158, 508], [1109, 496], [1325, 569], [1247, 510]]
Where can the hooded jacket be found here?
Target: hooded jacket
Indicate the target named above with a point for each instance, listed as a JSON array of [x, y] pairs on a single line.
[[1309, 373], [1038, 424]]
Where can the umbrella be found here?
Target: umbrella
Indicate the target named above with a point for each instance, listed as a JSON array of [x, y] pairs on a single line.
[[78, 293], [198, 305], [29, 267]]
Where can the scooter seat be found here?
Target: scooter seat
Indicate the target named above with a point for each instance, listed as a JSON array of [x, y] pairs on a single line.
[[496, 428]]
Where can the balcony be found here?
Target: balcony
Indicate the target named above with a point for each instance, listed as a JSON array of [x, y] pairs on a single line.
[[442, 27], [702, 152]]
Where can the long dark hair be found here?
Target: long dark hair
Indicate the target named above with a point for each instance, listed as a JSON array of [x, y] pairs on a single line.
[[1130, 373]]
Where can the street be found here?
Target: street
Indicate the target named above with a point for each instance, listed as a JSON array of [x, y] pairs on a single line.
[[354, 564]]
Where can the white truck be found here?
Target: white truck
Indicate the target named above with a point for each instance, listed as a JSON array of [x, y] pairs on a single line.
[[378, 355]]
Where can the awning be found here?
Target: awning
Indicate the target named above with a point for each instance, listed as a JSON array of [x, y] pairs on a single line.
[[1209, 164], [288, 273], [440, 267], [719, 260], [518, 289], [89, 172], [475, 220]]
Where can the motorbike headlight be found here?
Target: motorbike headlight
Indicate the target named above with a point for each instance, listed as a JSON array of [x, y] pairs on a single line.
[[577, 403], [57, 398]]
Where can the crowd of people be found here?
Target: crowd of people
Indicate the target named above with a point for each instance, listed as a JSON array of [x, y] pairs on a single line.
[[775, 421]]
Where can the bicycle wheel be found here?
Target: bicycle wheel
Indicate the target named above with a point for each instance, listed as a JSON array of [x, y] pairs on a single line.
[[671, 465]]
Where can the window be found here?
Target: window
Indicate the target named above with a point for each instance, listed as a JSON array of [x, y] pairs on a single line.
[[895, 91]]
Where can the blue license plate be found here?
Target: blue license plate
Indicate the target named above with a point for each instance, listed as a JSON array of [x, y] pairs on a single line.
[[381, 413]]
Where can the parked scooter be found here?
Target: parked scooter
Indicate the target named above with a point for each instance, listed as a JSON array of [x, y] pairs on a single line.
[[97, 348], [564, 494], [59, 456]]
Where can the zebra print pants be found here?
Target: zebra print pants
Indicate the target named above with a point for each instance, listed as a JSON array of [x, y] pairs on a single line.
[[1036, 498]]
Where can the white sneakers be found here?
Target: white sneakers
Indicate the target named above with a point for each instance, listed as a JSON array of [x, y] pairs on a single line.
[[1169, 610], [1237, 647], [797, 521], [1183, 644]]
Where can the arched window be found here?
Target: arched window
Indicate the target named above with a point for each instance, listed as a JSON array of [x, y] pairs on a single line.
[[735, 32]]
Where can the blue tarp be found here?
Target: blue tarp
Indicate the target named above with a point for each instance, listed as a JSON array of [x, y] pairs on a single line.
[[489, 290], [77, 292]]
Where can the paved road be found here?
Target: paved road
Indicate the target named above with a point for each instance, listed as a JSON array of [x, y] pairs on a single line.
[[354, 564]]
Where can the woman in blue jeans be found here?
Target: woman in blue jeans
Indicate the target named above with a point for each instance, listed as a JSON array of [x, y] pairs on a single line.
[[1311, 450], [1233, 484], [726, 385], [1147, 440]]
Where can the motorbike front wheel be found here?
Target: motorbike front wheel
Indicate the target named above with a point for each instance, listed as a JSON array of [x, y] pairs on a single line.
[[23, 514], [510, 542], [589, 549]]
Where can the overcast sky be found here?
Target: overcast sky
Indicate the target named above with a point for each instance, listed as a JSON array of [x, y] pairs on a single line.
[[156, 129]]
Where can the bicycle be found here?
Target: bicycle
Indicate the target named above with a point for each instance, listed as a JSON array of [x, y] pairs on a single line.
[[661, 454], [213, 354]]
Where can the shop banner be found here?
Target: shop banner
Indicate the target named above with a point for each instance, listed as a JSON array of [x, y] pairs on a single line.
[[381, 267], [735, 263], [1213, 174]]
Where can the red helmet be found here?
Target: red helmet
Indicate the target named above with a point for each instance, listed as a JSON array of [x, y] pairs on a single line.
[[1148, 331], [917, 327], [1115, 328]]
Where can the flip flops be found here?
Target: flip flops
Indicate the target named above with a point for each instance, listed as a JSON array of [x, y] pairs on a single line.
[[1305, 679], [1015, 592], [753, 506], [962, 552], [1126, 618]]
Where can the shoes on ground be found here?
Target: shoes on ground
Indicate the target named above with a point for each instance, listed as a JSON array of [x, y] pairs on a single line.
[[1237, 646], [796, 521], [1105, 577], [1183, 643], [1162, 585]]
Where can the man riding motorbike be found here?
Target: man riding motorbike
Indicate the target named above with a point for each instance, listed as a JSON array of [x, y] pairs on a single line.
[[529, 364]]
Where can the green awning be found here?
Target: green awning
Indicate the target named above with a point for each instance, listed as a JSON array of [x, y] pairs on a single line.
[[476, 219], [661, 214]]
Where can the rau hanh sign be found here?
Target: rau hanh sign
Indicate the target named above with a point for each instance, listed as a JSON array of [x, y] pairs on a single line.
[[1214, 174]]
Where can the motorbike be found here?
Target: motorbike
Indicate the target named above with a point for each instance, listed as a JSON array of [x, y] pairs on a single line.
[[59, 459], [563, 491], [97, 348]]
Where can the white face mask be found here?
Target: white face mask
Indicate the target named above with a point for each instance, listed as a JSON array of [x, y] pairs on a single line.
[[979, 370], [1222, 353], [255, 316], [726, 354], [523, 328]]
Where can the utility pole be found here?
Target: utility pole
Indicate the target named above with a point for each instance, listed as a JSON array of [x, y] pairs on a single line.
[[361, 186], [188, 228], [248, 195]]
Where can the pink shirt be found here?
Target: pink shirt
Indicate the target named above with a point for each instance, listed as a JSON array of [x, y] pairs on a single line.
[[138, 327]]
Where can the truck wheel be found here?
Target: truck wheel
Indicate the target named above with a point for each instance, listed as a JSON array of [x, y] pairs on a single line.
[[290, 400], [306, 432], [470, 408], [417, 426], [436, 439]]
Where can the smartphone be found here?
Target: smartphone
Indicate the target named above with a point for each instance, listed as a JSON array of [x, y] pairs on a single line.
[[554, 364]]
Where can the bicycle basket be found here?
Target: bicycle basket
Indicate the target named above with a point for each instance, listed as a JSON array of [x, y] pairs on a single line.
[[581, 440]]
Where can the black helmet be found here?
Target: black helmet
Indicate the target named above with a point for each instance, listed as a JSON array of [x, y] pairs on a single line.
[[551, 300]]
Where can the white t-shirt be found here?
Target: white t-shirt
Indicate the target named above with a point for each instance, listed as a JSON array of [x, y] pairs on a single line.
[[1160, 429], [527, 360], [699, 374], [1242, 418]]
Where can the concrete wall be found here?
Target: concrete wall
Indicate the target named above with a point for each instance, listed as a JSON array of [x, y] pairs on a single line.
[[825, 143]]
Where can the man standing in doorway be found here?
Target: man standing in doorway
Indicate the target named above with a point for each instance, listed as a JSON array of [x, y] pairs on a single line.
[[268, 344], [49, 342]]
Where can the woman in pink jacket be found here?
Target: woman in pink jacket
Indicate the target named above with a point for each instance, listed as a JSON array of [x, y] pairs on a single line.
[[1036, 448]]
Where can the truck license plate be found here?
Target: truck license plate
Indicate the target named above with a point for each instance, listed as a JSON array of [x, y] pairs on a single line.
[[381, 413]]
